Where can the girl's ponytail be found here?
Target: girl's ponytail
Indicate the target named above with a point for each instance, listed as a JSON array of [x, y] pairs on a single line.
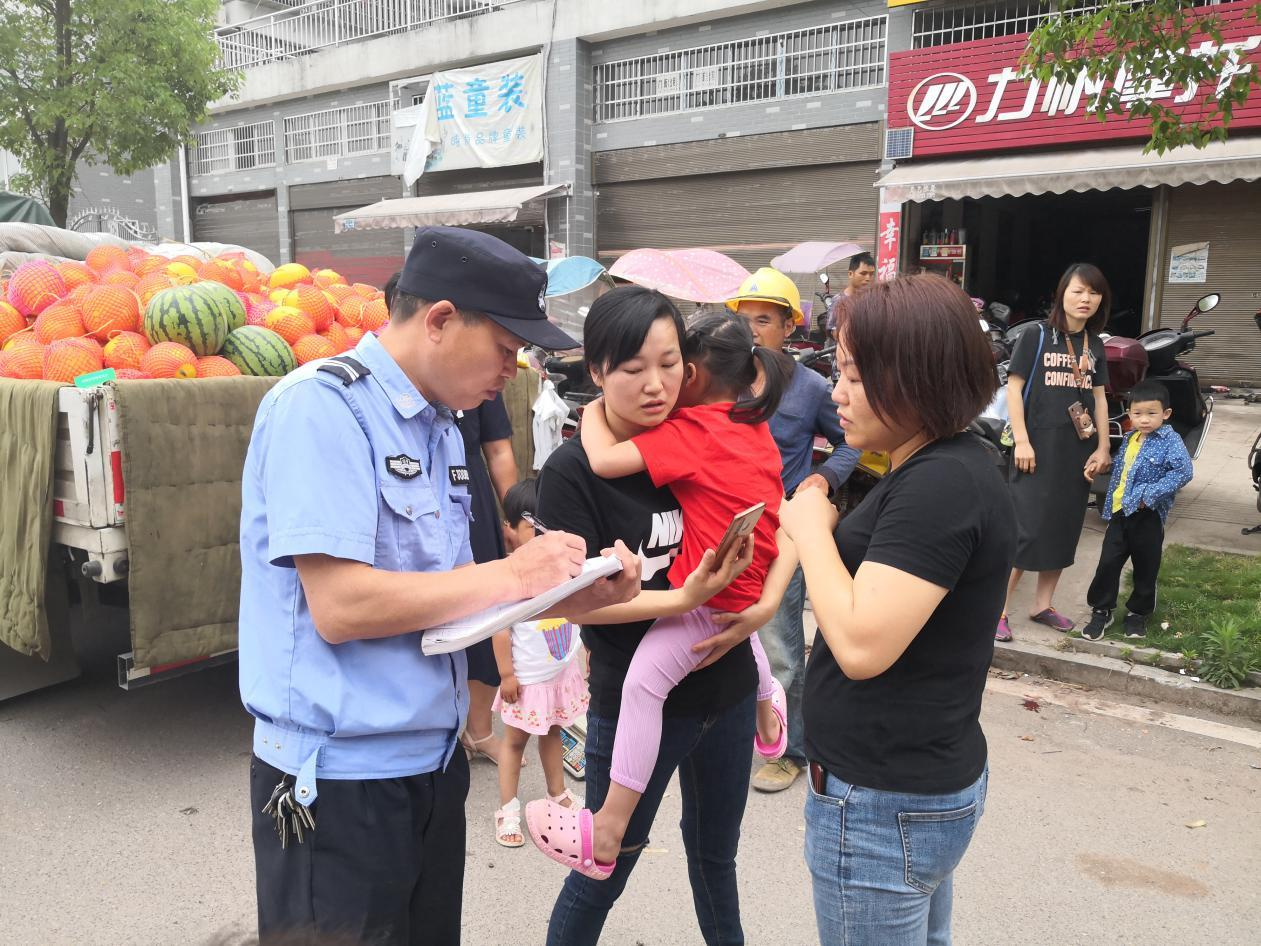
[[724, 344], [777, 373]]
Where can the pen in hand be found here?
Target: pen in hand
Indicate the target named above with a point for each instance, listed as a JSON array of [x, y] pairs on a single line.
[[533, 520]]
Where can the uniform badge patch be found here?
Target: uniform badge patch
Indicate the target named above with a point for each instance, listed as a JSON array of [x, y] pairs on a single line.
[[403, 466], [459, 475]]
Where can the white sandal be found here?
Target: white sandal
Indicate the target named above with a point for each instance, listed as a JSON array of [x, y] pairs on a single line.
[[508, 825], [568, 799]]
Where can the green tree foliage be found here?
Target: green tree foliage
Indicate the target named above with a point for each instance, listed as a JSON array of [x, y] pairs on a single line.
[[119, 81], [1161, 50]]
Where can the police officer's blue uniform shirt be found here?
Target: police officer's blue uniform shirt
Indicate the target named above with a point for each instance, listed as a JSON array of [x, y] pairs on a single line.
[[358, 472]]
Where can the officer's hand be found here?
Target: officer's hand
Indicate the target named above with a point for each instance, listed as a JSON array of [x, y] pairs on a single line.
[[617, 589], [546, 561], [509, 689]]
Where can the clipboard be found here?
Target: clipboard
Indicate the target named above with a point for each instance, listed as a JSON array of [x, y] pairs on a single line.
[[467, 631]]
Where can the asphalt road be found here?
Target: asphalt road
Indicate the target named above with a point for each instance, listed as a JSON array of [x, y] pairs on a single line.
[[123, 820]]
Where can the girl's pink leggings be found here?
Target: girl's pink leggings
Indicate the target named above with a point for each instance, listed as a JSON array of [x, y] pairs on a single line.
[[662, 659]]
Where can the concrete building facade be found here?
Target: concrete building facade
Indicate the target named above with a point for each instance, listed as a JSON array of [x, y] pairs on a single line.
[[646, 102]]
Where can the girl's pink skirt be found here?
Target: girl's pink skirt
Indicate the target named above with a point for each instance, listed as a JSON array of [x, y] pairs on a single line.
[[555, 702]]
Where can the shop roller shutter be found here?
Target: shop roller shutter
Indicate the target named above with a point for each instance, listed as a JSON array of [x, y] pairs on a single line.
[[1228, 216], [248, 220]]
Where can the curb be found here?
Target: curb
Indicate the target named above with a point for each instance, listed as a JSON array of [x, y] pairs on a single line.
[[1110, 673], [1146, 656]]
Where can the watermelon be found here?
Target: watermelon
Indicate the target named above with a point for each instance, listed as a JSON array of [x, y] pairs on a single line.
[[259, 351], [228, 301], [190, 316]]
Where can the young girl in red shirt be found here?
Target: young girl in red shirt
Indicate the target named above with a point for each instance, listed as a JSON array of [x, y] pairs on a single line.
[[717, 456]]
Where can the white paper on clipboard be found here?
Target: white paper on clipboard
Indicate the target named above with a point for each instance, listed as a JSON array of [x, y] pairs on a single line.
[[462, 633]]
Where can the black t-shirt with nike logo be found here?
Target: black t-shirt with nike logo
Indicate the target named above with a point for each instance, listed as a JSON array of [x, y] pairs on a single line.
[[573, 499]]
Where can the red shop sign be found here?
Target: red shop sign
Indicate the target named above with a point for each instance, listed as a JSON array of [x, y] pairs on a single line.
[[968, 97]]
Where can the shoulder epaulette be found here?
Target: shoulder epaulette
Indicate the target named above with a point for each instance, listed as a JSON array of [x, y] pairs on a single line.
[[346, 369]]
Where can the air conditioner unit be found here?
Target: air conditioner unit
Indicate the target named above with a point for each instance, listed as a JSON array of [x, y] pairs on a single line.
[[899, 143]]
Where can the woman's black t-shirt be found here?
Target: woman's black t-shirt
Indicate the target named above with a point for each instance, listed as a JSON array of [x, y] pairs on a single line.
[[648, 519], [1049, 374], [945, 516]]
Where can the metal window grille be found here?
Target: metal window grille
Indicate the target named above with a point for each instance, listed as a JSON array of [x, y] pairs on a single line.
[[238, 148], [838, 57], [338, 132], [302, 29], [941, 26]]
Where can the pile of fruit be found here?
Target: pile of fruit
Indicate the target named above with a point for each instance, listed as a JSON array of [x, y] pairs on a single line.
[[147, 316]]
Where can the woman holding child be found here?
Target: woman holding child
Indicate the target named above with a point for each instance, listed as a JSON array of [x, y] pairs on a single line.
[[634, 341]]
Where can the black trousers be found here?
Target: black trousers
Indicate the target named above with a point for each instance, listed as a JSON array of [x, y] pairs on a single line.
[[1138, 538], [384, 866]]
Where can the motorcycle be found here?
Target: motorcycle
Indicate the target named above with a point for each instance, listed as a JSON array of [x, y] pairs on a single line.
[[1254, 461]]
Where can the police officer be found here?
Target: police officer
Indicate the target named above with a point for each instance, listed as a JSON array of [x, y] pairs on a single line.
[[354, 535]]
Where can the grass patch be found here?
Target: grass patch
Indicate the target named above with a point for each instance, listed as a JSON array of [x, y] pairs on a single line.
[[1196, 590]]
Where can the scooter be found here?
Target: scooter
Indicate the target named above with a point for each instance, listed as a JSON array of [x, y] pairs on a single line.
[[1154, 356]]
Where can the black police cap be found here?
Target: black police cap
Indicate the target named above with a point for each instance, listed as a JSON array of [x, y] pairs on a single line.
[[481, 273]]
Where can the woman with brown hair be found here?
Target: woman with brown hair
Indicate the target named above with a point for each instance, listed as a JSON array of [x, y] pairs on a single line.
[[905, 591], [1059, 419]]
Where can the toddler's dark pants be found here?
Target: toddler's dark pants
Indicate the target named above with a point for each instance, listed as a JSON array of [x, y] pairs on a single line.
[[1139, 538]]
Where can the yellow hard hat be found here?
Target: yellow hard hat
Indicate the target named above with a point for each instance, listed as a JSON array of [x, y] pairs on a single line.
[[769, 285]]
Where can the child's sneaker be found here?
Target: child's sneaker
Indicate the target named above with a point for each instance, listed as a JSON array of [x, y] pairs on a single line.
[[1093, 631], [1135, 625]]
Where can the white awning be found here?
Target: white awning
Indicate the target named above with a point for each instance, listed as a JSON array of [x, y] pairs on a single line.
[[450, 210], [1094, 169]]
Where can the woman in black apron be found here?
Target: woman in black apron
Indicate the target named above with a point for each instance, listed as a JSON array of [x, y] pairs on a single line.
[[1055, 391]]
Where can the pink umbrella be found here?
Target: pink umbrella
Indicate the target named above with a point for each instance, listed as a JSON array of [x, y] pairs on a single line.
[[814, 256], [697, 275]]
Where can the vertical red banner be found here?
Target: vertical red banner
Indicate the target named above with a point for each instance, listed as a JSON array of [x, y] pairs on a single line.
[[888, 241]]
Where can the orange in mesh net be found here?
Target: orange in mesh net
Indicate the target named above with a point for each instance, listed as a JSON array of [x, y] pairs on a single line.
[[363, 289], [23, 339], [354, 335], [75, 274], [221, 272], [129, 374], [324, 278], [79, 293], [26, 362], [150, 264], [68, 358], [350, 312], [216, 366], [120, 277], [310, 347], [150, 285], [336, 334], [125, 350], [34, 286], [106, 257], [169, 360], [11, 321], [289, 323], [340, 292], [62, 320], [314, 303], [288, 275], [374, 315], [110, 309], [256, 312], [182, 272]]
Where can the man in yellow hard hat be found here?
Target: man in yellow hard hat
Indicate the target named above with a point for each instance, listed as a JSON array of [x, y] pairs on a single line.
[[771, 303]]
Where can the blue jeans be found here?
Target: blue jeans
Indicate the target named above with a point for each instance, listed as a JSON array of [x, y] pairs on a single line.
[[883, 862], [784, 640], [712, 756]]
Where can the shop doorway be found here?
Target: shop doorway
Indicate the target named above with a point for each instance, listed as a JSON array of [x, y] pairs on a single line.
[[1018, 247]]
